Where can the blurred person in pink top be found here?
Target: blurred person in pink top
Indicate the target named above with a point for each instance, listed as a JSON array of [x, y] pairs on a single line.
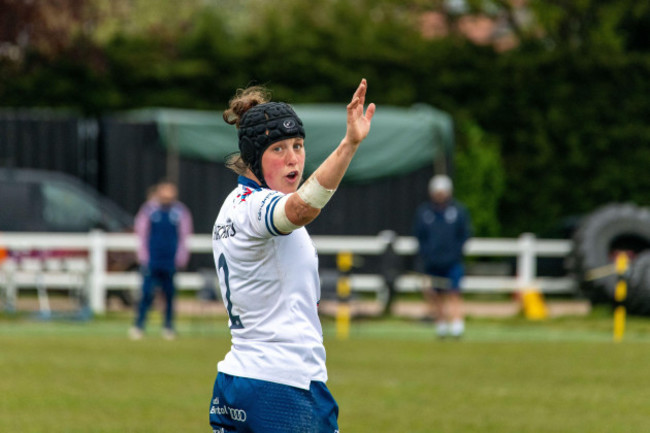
[[163, 225]]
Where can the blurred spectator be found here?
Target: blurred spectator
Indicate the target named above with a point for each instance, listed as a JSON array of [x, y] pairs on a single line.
[[163, 225], [442, 226]]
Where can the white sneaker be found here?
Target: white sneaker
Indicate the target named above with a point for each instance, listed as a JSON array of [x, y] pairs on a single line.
[[457, 328], [135, 333], [169, 334], [442, 329]]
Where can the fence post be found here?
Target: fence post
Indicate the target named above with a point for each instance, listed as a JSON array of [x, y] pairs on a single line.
[[531, 299], [526, 266], [8, 292], [98, 271]]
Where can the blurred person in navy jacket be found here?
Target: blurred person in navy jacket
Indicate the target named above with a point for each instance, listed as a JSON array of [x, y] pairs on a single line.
[[163, 225], [442, 226]]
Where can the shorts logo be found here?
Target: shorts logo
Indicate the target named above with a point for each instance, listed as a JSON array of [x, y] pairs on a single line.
[[234, 413], [237, 414]]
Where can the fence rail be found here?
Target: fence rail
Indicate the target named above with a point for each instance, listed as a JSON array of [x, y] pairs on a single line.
[[21, 271]]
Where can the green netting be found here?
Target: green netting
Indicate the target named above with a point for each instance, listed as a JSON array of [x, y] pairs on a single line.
[[401, 139]]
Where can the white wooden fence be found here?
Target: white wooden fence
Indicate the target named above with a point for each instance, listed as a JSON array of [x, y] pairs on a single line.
[[91, 274]]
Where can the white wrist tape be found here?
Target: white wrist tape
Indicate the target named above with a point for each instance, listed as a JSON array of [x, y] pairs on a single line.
[[280, 219], [315, 195]]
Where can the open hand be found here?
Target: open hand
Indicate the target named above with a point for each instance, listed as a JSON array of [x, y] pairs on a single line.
[[358, 124]]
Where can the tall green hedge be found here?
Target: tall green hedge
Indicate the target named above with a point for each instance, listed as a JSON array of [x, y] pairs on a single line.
[[543, 133]]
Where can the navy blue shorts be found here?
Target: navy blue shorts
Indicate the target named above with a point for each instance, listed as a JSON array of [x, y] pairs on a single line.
[[453, 274], [240, 404]]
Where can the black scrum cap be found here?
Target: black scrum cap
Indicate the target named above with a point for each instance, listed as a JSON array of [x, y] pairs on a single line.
[[263, 125]]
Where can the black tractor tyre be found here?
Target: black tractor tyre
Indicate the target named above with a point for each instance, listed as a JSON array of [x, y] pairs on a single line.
[[612, 228], [638, 286]]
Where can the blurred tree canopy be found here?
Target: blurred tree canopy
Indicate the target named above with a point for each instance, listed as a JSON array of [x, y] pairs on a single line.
[[552, 127]]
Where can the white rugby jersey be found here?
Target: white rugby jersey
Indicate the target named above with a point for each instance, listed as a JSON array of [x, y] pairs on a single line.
[[270, 286]]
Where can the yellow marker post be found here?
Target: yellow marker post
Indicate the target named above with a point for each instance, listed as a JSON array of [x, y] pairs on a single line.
[[534, 306], [622, 263], [344, 261]]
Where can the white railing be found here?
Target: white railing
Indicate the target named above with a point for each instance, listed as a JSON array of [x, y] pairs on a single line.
[[53, 272]]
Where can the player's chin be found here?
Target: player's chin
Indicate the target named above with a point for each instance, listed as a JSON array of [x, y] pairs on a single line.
[[289, 188]]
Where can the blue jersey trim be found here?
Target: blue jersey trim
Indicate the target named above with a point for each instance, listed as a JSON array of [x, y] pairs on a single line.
[[275, 202], [243, 180], [269, 216]]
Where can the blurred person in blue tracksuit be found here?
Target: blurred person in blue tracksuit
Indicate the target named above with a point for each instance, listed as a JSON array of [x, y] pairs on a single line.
[[163, 225], [442, 226]]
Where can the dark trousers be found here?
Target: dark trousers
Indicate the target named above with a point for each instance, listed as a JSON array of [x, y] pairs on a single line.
[[152, 278]]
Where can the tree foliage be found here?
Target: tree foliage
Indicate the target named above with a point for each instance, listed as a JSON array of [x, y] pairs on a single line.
[[46, 26], [480, 177], [566, 110]]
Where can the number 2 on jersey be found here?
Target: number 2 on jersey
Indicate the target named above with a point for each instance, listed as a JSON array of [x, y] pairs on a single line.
[[235, 321]]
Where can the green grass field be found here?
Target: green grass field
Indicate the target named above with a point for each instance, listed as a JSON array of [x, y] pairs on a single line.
[[506, 376]]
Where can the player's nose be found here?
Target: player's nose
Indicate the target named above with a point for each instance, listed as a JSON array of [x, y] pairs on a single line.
[[291, 157]]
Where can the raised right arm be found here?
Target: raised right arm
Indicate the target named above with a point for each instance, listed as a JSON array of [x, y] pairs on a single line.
[[303, 207]]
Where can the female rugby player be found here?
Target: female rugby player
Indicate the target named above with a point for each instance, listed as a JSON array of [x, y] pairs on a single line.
[[273, 378]]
